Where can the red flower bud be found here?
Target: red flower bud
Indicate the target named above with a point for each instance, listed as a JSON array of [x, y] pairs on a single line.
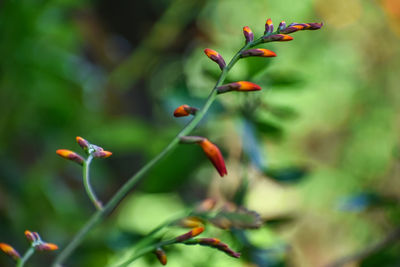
[[194, 232], [162, 257], [248, 34], [184, 110], [10, 251], [277, 38], [101, 154], [82, 143], [214, 155], [238, 86], [259, 52], [216, 57], [70, 155], [46, 247], [269, 27]]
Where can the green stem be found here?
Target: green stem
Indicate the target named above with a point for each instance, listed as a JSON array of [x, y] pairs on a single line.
[[26, 256], [120, 194], [86, 183]]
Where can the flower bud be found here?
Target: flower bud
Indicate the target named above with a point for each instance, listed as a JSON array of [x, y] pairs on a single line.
[[269, 27], [259, 52], [277, 38], [46, 247], [70, 155], [214, 155], [84, 144], [194, 232], [32, 236], [10, 251], [161, 256], [282, 26], [214, 243], [101, 154], [191, 222], [184, 110], [248, 34], [216, 57], [238, 86]]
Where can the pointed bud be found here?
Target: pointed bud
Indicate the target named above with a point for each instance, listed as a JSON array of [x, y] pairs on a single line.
[[82, 143], [294, 27], [184, 110], [162, 257], [216, 57], [248, 34], [269, 27], [214, 155], [70, 155], [194, 232], [214, 243], [314, 26], [238, 86], [191, 222], [259, 52], [101, 154], [277, 38], [32, 236], [282, 26], [10, 251], [46, 247]]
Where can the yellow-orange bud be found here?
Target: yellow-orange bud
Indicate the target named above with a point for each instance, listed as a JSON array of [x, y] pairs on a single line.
[[184, 110], [10, 251], [194, 232], [161, 256], [214, 155], [70, 155], [46, 247]]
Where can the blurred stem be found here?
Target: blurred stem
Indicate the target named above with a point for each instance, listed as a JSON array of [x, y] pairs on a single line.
[[26, 256], [86, 183], [120, 194]]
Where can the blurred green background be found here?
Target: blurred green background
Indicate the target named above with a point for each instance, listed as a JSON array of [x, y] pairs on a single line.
[[316, 152]]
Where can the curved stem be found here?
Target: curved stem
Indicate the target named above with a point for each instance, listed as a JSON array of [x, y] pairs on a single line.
[[26, 256], [86, 183], [120, 194]]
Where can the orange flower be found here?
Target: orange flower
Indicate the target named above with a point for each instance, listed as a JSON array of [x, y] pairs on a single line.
[[216, 57], [248, 34], [238, 86], [214, 155], [269, 27], [194, 232], [184, 110], [10, 251], [162, 257], [46, 247], [259, 52], [70, 155], [277, 38]]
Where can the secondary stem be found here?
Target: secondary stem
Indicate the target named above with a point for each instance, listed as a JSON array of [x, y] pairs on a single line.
[[26, 256], [120, 194], [86, 183]]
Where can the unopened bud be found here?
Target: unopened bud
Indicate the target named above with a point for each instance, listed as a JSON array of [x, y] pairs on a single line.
[[216, 57], [46, 247], [277, 38], [194, 232], [84, 144], [248, 34], [269, 27], [258, 52], [184, 110], [161, 256], [70, 155], [101, 154], [243, 86], [10, 251]]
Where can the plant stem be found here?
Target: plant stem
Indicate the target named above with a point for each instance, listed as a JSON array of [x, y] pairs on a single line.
[[86, 183], [120, 194], [26, 256]]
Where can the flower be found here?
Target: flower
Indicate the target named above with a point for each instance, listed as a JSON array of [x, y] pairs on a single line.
[[259, 52], [214, 155], [216, 57], [248, 34], [238, 86], [162, 257], [101, 154], [214, 243], [84, 144], [46, 247], [70, 155], [277, 37], [184, 110], [192, 233], [10, 251]]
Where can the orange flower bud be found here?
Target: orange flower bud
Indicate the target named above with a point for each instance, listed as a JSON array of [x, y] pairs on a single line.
[[70, 155], [214, 155], [46, 247], [184, 110], [214, 243], [162, 257], [102, 154], [194, 232], [191, 222], [248, 34], [82, 143], [238, 86], [269, 27], [259, 52], [277, 38], [31, 236], [10, 251], [216, 57]]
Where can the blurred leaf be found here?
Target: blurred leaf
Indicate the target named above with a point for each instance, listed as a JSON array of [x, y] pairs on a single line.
[[251, 145], [236, 217], [269, 128], [362, 201], [293, 174], [283, 80], [283, 112]]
